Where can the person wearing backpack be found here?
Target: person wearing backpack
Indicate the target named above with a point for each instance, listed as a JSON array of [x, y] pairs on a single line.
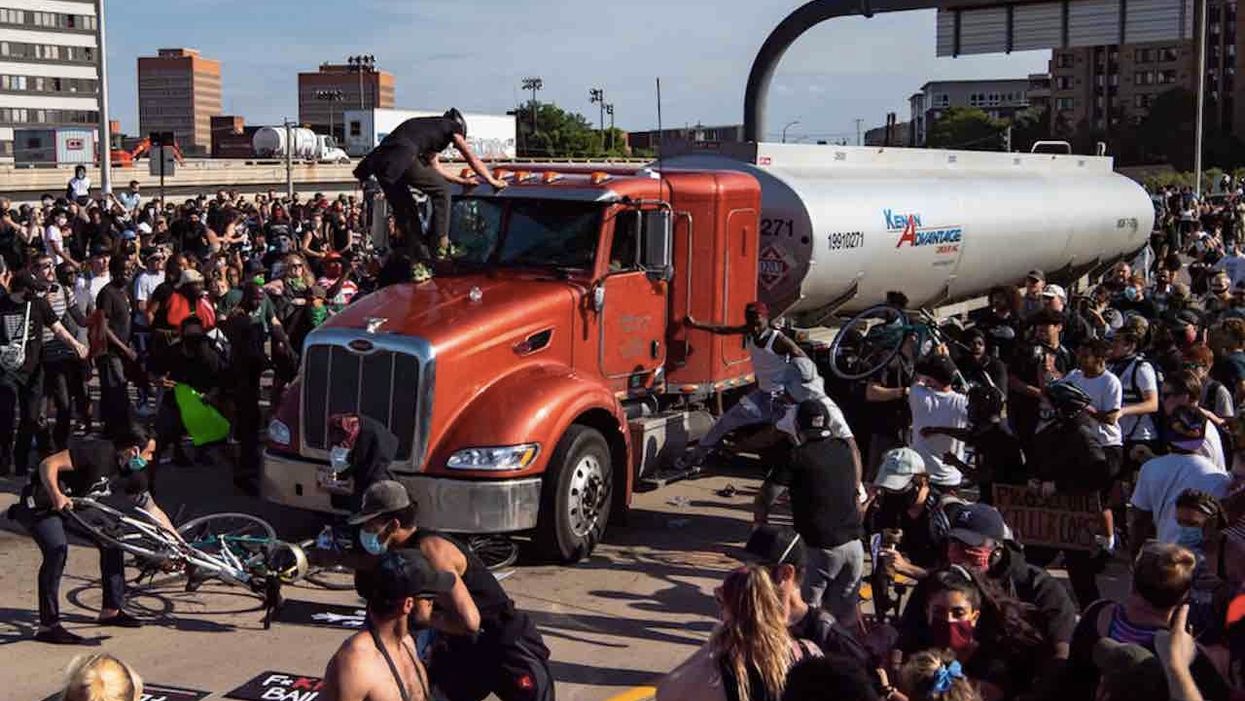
[[23, 316], [1140, 383]]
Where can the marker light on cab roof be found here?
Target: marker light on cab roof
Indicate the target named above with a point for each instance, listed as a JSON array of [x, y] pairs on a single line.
[[550, 177], [599, 177]]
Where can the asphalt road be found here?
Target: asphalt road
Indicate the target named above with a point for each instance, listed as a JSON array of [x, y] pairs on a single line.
[[621, 619]]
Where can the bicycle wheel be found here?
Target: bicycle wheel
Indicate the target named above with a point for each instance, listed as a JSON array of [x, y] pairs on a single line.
[[112, 528], [246, 537], [495, 551], [332, 577], [868, 341]]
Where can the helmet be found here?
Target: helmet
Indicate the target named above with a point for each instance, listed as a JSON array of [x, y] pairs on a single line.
[[1068, 399], [454, 114]]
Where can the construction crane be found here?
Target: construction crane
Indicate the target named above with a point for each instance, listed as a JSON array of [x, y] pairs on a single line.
[[125, 159]]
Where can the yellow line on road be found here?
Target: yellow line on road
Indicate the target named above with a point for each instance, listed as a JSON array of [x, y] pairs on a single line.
[[639, 693]]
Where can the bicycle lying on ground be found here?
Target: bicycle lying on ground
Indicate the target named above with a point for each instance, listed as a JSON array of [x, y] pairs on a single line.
[[238, 549]]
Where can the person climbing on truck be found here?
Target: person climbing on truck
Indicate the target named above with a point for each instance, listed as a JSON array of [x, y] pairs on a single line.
[[770, 351], [409, 157]]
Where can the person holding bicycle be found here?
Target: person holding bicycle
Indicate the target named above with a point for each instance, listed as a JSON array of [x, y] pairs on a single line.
[[408, 157], [118, 467]]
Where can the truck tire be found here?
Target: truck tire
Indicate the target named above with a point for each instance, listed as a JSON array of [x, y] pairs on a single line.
[[576, 496]]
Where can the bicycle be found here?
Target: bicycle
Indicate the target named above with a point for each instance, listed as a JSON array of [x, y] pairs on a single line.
[[870, 340], [221, 546]]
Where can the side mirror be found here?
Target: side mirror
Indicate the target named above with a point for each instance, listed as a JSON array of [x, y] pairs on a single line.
[[656, 243]]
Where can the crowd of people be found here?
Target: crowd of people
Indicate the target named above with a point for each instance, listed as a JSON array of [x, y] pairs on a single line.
[[1126, 396]]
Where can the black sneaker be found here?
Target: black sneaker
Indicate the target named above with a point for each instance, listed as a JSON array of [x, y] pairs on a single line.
[[57, 635], [121, 620]]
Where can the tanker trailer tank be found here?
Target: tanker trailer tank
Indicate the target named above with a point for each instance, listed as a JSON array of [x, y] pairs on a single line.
[[841, 226]]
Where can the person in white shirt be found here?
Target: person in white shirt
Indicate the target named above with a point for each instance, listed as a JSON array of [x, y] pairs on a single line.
[[1233, 264], [88, 286], [54, 238], [79, 187], [1140, 390], [935, 404], [1104, 388], [1152, 509], [150, 278]]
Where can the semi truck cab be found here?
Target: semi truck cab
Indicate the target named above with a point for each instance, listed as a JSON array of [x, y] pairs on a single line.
[[511, 380]]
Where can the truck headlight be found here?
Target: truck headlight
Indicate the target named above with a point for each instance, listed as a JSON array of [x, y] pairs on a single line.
[[278, 432], [506, 457]]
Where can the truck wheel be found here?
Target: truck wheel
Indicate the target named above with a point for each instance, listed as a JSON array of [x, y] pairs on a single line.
[[576, 496]]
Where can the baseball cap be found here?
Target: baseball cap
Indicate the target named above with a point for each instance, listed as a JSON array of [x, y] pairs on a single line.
[[1054, 291], [1186, 428], [776, 545], [189, 276], [1129, 670], [758, 308], [974, 524], [383, 497], [898, 468], [128, 235], [941, 474], [403, 573], [1036, 275], [812, 419]]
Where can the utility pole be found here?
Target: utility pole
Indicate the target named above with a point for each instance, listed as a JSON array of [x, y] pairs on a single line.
[[609, 109], [1201, 99], [289, 160], [362, 63], [787, 126], [331, 96], [533, 83], [597, 96], [859, 122], [105, 129]]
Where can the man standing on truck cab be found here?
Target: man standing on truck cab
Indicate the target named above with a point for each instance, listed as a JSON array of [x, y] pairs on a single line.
[[484, 645], [409, 157], [769, 351]]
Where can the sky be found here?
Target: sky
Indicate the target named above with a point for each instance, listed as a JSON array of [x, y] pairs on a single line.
[[473, 54]]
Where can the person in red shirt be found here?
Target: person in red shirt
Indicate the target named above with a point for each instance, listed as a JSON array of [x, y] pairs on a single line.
[[188, 298]]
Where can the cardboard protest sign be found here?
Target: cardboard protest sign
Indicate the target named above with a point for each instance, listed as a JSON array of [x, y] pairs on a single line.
[[314, 613], [279, 686], [1066, 521]]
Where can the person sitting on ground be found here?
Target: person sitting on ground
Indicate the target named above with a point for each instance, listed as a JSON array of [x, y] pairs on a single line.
[[935, 675], [1162, 579], [484, 644], [372, 663], [194, 361], [750, 652], [822, 474], [101, 677]]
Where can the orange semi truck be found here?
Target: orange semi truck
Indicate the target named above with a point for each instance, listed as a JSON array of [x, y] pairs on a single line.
[[533, 385]]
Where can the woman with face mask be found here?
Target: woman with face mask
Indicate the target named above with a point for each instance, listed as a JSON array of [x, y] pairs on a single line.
[[990, 634]]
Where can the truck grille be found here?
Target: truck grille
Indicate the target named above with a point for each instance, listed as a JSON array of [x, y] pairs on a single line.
[[383, 385]]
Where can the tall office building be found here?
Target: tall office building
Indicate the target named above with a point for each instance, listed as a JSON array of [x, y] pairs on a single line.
[[49, 66], [324, 96], [179, 91]]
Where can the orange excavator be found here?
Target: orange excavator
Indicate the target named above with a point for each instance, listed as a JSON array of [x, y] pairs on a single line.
[[125, 159]]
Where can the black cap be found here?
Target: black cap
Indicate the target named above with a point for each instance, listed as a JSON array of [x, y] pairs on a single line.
[[454, 114], [939, 367], [403, 573], [974, 524], [776, 545], [812, 419]]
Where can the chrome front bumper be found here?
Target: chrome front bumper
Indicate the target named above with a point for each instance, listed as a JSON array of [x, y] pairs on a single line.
[[458, 506]]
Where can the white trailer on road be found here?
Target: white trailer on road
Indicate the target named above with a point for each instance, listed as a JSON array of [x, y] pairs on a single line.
[[491, 136]]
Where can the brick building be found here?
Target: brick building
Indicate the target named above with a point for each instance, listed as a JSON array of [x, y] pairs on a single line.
[[179, 91], [324, 96]]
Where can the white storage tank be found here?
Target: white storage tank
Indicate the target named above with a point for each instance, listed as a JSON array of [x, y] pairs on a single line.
[[269, 142], [845, 225]]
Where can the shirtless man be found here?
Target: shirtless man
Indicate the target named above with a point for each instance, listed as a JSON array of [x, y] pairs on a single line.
[[380, 663]]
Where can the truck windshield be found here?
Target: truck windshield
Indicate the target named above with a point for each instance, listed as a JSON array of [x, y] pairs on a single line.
[[519, 232]]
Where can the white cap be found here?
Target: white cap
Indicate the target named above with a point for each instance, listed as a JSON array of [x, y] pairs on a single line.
[[1054, 291], [898, 468]]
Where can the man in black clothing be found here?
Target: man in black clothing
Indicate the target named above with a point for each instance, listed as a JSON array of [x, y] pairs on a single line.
[[484, 645], [996, 453], [822, 477], [360, 453], [1036, 364], [980, 369], [192, 360], [409, 157], [114, 303], [23, 314], [782, 550]]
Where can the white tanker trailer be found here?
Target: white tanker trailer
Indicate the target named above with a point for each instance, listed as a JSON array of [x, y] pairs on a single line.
[[841, 226]]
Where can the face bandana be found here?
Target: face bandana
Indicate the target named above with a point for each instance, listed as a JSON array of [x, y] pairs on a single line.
[[977, 558], [956, 635]]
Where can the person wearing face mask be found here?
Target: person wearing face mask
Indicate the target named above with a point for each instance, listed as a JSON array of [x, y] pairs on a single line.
[[990, 634], [1202, 522], [905, 505], [23, 316], [189, 298], [484, 644], [64, 380], [1218, 298], [1140, 384], [87, 465], [1036, 364], [1132, 298], [54, 237], [361, 450]]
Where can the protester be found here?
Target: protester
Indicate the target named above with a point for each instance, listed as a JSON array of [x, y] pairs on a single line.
[[933, 403], [101, 677]]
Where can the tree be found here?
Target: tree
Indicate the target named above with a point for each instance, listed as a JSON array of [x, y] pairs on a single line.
[[1029, 126], [966, 128], [1165, 135], [562, 134]]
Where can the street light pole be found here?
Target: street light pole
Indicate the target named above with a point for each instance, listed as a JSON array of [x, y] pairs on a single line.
[[1201, 99], [787, 126], [597, 95], [533, 83], [289, 160], [105, 130], [609, 109]]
